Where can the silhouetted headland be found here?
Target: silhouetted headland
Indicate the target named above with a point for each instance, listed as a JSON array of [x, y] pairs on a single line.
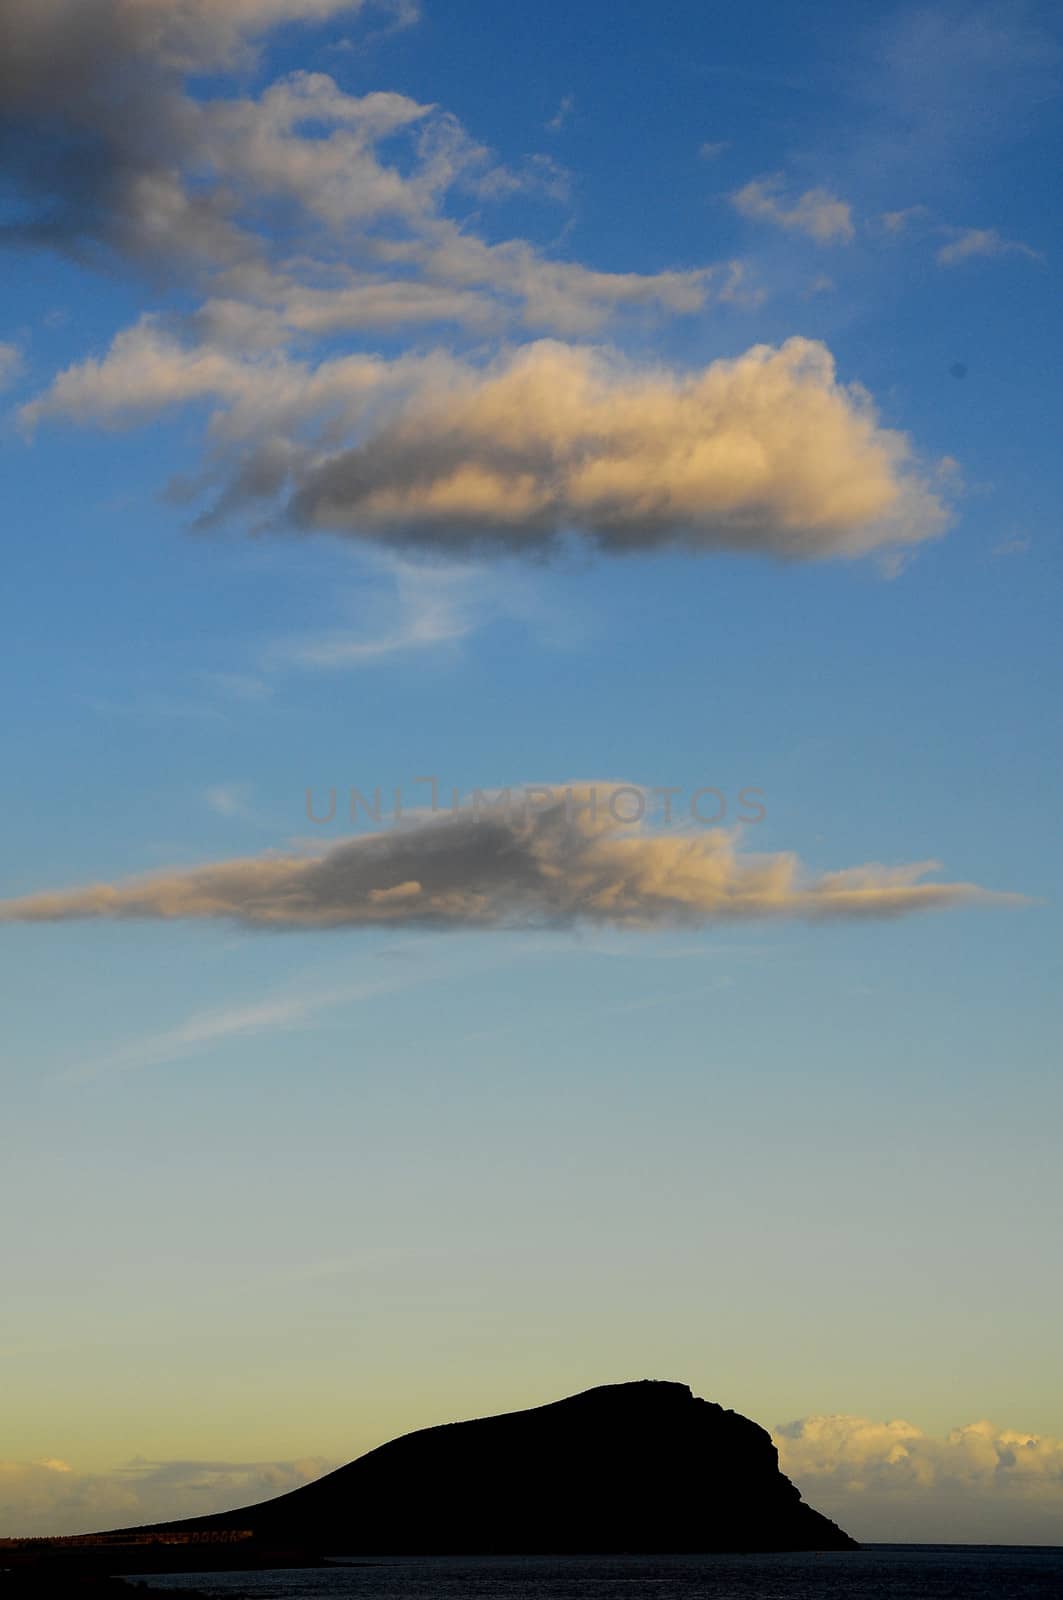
[[630, 1467]]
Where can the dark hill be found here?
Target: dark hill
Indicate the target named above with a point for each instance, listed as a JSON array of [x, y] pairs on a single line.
[[629, 1467]]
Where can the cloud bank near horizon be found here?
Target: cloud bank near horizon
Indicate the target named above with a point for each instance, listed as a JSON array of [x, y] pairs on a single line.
[[892, 1481], [50, 1496], [880, 1480], [511, 867]]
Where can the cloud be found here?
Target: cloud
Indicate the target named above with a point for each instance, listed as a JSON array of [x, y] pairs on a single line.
[[204, 1029], [54, 45], [541, 861], [710, 149], [279, 309], [433, 607], [201, 1031], [95, 126], [400, 608], [111, 154], [407, 13], [898, 222], [42, 1497], [10, 364], [50, 1497], [817, 212], [963, 244], [766, 454], [562, 114], [301, 212], [228, 800], [147, 370], [946, 81], [884, 1480], [971, 242], [212, 196], [1018, 544], [906, 1483]]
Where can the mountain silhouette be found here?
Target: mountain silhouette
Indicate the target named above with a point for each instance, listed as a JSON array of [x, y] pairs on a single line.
[[636, 1467]]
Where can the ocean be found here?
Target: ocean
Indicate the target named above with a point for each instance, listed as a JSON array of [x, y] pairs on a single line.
[[877, 1572]]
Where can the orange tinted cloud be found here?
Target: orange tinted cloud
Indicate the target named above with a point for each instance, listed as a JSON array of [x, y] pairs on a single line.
[[548, 867]]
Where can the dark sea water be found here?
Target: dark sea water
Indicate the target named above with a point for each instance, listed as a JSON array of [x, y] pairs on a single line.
[[877, 1572]]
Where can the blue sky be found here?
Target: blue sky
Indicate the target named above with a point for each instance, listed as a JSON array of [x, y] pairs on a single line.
[[439, 413]]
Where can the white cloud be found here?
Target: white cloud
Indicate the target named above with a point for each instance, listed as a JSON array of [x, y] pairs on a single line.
[[963, 244], [817, 212], [562, 114], [540, 292], [10, 364], [538, 861], [971, 242], [228, 800], [899, 222], [147, 370]]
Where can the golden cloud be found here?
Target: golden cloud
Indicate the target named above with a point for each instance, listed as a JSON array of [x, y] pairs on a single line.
[[765, 454], [510, 867]]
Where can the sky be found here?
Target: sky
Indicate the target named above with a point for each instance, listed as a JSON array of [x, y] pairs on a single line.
[[533, 851]]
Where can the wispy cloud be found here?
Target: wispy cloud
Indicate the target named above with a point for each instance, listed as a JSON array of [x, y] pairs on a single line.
[[945, 81], [11, 364], [562, 114], [153, 707], [817, 212], [433, 608], [920, 223], [228, 800], [1019, 544], [405, 607], [246, 687], [971, 242], [900, 222], [205, 1029]]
